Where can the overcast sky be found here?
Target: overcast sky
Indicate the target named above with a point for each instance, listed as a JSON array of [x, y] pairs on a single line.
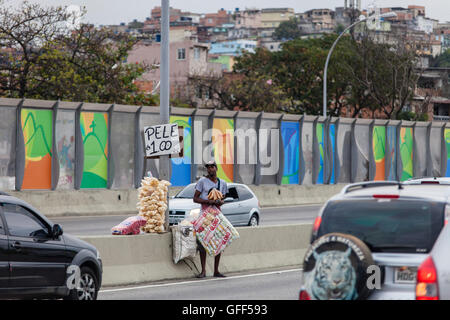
[[116, 11]]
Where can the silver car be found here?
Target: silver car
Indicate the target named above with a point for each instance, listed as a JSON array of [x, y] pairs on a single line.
[[241, 205], [399, 223], [433, 275]]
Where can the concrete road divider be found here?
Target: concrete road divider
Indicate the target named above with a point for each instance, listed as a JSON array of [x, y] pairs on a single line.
[[121, 202], [148, 257]]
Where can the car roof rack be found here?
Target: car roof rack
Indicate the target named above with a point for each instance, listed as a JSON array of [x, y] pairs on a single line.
[[370, 184]]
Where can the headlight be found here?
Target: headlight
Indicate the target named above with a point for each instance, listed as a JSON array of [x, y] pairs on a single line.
[[194, 212]]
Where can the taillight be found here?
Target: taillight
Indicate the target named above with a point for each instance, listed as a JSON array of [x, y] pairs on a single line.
[[447, 214], [386, 196], [304, 295], [317, 223], [427, 286]]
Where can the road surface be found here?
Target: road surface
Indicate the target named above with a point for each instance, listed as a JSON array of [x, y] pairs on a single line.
[[101, 225]]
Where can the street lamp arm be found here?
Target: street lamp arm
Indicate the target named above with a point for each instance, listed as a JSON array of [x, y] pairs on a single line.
[[328, 61]]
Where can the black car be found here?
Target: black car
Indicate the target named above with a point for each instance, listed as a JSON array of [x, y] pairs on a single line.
[[38, 261]]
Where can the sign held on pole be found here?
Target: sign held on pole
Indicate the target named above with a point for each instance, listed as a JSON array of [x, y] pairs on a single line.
[[163, 139]]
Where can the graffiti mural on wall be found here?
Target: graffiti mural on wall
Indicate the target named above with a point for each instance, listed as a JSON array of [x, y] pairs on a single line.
[[392, 140], [333, 151], [447, 144], [65, 143], [94, 132], [181, 167], [291, 137], [379, 152], [38, 135], [406, 152], [320, 141], [223, 146]]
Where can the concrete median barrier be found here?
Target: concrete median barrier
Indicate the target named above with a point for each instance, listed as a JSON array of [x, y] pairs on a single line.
[[92, 202], [148, 257]]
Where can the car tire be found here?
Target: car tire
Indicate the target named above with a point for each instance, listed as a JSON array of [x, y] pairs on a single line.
[[336, 267], [88, 286], [254, 221]]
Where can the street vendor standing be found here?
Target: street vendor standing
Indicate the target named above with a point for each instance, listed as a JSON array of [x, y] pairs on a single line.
[[202, 189]]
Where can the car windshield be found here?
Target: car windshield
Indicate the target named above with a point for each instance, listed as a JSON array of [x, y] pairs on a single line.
[[386, 225], [186, 193]]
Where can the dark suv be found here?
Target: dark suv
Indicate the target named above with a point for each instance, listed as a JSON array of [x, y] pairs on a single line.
[[38, 261], [399, 224]]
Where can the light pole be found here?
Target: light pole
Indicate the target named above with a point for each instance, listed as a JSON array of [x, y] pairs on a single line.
[[164, 164], [362, 18]]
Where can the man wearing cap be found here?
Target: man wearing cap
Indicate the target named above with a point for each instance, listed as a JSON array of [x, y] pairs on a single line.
[[202, 189]]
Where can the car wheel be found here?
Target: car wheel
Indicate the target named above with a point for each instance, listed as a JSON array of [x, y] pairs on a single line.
[[336, 267], [254, 221], [88, 286]]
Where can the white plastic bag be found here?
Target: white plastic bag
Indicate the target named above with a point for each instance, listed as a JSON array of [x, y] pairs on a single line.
[[184, 242]]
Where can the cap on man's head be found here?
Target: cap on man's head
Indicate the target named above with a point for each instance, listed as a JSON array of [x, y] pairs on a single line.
[[211, 163]]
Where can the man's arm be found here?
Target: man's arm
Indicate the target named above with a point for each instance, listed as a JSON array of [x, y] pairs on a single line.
[[197, 199]]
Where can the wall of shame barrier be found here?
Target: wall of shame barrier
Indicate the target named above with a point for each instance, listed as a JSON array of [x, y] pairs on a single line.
[[56, 145]]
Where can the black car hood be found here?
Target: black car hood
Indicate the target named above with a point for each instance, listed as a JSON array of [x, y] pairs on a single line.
[[72, 241]]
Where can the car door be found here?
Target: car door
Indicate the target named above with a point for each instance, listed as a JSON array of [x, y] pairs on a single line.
[[4, 257], [244, 205], [36, 260], [230, 209]]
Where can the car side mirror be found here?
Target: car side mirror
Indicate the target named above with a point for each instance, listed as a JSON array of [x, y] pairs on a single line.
[[57, 231], [228, 199]]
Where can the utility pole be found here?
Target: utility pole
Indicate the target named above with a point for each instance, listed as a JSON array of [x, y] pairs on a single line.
[[165, 90]]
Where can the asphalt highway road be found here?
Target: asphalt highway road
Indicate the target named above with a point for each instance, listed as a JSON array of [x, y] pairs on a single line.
[[101, 225], [269, 285]]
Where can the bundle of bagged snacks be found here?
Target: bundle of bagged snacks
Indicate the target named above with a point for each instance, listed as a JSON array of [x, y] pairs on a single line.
[[214, 231], [152, 203]]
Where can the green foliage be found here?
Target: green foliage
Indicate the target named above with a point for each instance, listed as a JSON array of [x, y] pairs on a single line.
[[362, 74], [443, 60], [55, 63], [287, 30]]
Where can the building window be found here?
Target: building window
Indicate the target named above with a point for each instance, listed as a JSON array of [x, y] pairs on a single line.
[[199, 93], [196, 53], [181, 54]]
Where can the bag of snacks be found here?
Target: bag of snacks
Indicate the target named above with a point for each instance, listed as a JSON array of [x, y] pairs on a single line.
[[131, 225]]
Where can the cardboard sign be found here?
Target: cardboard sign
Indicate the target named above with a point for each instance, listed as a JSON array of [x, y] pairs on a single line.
[[161, 140]]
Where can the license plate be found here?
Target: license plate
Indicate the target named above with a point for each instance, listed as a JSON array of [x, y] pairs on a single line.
[[405, 275]]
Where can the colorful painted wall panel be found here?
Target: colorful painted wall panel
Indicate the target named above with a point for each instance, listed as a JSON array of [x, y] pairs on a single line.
[[320, 141], [223, 146], [65, 143], [379, 152], [181, 167], [333, 151], [38, 135], [447, 144], [7, 148], [94, 131], [406, 152], [291, 137], [392, 140]]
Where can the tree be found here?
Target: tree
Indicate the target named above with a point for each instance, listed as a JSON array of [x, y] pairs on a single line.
[[22, 35], [443, 60], [288, 30], [42, 58]]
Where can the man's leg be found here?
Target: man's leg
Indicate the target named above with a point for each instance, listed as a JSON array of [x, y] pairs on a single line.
[[216, 267], [202, 261]]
